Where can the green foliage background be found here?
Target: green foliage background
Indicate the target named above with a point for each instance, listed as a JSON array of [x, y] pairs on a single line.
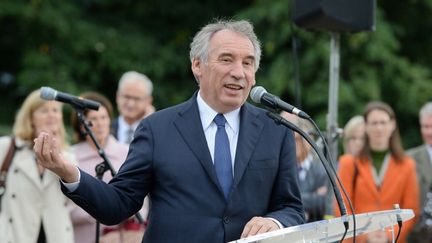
[[83, 45]]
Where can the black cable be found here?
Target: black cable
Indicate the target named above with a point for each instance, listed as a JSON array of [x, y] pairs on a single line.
[[345, 232], [399, 222], [340, 184], [102, 167], [326, 147], [280, 120]]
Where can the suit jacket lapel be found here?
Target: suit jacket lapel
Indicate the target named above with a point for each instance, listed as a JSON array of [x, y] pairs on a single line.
[[424, 165], [114, 127], [189, 126], [250, 129], [424, 156]]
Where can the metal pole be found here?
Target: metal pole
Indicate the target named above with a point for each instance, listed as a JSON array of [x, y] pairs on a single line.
[[333, 130]]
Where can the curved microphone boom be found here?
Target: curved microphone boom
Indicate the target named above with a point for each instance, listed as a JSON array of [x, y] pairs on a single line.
[[328, 167], [48, 93], [260, 95]]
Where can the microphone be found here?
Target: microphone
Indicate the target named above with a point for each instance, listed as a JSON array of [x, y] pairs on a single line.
[[259, 95], [48, 93]]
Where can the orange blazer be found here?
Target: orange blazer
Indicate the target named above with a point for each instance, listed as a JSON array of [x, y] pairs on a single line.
[[399, 186]]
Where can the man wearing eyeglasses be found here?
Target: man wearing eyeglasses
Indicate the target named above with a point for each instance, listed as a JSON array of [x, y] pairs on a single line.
[[134, 102]]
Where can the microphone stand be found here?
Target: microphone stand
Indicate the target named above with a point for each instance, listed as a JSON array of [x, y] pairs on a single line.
[[330, 171], [102, 167]]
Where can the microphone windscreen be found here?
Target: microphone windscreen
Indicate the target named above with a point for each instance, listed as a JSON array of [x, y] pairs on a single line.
[[256, 93], [48, 93]]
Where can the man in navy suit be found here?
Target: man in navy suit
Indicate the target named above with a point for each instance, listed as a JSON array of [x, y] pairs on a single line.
[[174, 156]]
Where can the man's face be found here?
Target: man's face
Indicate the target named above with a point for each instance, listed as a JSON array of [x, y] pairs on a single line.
[[133, 101], [226, 80], [426, 129]]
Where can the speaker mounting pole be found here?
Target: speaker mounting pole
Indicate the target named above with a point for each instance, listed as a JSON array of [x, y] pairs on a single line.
[[333, 131], [336, 16]]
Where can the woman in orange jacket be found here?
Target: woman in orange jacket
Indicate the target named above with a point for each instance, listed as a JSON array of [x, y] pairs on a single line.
[[381, 175]]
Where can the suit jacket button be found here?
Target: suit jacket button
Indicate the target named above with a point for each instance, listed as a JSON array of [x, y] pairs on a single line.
[[226, 220]]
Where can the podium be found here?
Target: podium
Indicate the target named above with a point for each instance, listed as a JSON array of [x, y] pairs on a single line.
[[332, 230]]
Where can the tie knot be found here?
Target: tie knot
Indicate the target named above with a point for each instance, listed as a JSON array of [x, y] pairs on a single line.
[[220, 120]]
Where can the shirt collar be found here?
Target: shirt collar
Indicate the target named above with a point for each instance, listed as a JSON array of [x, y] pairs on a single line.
[[124, 124], [207, 115]]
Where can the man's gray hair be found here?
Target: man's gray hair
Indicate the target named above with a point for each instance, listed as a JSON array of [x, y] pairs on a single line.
[[136, 76], [426, 110], [199, 47]]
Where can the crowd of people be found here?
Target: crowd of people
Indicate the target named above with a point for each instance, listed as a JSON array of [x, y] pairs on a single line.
[[212, 169], [33, 208]]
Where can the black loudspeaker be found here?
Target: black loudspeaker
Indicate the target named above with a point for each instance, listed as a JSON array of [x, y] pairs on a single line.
[[335, 15]]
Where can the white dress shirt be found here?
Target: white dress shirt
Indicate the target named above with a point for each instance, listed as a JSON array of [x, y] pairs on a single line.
[[232, 127], [123, 128]]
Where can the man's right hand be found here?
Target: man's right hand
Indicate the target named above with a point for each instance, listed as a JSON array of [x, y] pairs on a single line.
[[48, 154]]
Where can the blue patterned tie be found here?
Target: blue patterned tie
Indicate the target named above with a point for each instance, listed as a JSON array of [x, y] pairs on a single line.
[[222, 156]]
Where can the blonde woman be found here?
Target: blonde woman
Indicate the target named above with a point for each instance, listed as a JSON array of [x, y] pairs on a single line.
[[33, 208], [354, 135]]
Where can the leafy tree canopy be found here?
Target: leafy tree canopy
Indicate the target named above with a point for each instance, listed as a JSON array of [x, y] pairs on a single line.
[[83, 45]]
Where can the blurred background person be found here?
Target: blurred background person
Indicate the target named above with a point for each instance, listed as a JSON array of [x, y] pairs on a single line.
[[33, 208], [134, 102], [314, 184], [88, 157], [381, 175], [423, 158], [354, 135]]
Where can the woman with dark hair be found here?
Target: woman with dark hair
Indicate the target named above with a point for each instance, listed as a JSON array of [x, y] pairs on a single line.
[[88, 157], [381, 175]]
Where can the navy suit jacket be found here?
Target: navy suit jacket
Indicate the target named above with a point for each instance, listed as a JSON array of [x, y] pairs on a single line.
[[169, 159]]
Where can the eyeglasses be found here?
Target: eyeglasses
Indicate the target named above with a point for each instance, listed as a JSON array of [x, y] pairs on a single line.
[[353, 138], [132, 98], [378, 123]]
